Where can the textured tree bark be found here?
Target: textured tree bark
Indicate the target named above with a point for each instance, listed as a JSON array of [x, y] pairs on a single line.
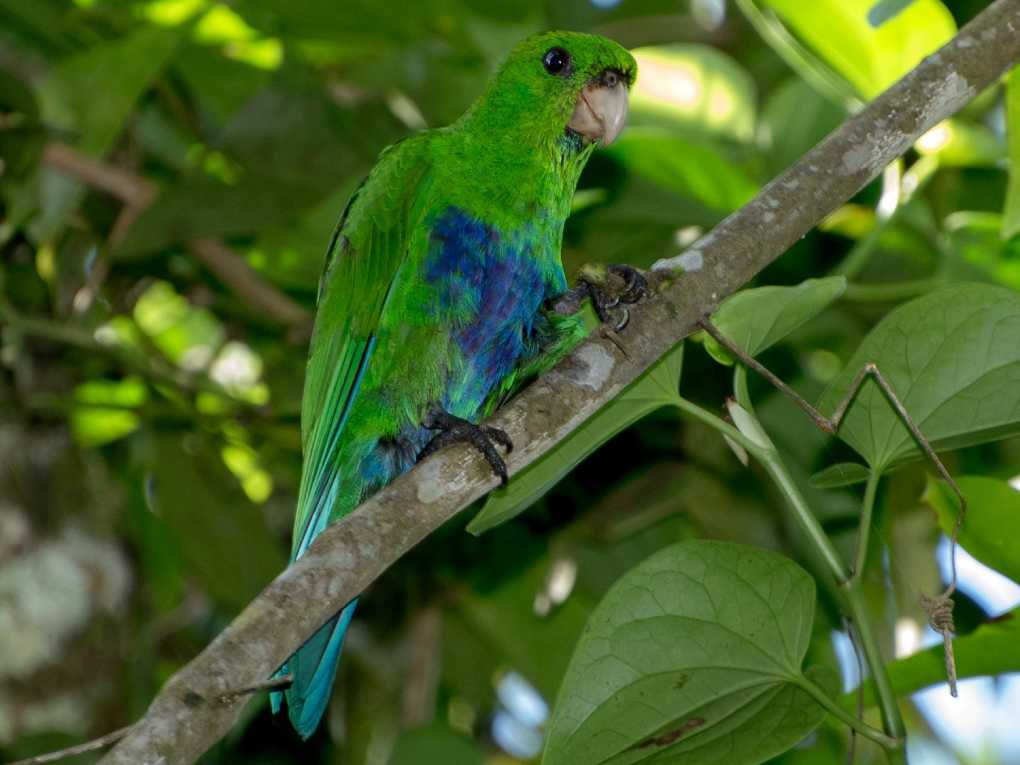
[[186, 718]]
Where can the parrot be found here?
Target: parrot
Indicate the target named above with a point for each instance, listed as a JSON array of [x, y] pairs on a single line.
[[435, 301]]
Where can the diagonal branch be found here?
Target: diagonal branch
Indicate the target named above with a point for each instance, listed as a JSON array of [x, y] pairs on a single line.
[[186, 719]]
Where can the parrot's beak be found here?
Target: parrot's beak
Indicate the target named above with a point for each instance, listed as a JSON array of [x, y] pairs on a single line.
[[601, 110]]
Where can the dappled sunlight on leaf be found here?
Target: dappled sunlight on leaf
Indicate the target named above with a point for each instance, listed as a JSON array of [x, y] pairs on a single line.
[[872, 56], [962, 143], [104, 410], [238, 369], [694, 90], [189, 336], [244, 463]]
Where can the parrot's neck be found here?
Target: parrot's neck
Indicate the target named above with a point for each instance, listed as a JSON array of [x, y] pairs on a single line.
[[526, 160], [518, 177]]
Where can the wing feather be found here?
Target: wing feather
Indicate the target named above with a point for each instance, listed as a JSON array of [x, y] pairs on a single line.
[[369, 245]]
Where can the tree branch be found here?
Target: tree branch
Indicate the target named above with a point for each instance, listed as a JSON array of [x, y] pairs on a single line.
[[137, 193], [231, 269], [185, 719]]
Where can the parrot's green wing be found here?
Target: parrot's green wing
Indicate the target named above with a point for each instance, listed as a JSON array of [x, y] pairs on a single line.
[[371, 242]]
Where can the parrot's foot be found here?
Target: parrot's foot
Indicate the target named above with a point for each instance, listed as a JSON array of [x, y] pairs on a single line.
[[454, 430], [611, 289]]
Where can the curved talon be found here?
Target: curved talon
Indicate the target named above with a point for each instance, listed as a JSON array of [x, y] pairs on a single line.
[[500, 437], [455, 430], [635, 288], [624, 320], [635, 283]]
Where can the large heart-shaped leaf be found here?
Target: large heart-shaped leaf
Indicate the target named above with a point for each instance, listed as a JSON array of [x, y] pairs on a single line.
[[655, 388], [991, 530], [758, 318], [692, 657], [953, 359]]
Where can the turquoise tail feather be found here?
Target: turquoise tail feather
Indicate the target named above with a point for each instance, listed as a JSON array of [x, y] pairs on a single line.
[[314, 668]]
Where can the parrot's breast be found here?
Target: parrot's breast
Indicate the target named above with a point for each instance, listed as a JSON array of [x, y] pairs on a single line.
[[491, 284]]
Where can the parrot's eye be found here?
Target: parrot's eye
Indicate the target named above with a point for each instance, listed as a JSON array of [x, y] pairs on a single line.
[[556, 61]]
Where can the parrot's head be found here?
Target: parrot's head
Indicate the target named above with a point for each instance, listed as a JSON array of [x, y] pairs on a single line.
[[563, 83]]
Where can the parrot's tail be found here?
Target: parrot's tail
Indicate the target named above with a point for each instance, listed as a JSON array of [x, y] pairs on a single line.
[[313, 666]]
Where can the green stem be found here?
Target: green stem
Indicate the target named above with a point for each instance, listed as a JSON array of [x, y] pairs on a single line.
[[885, 741], [864, 533], [892, 721], [806, 519], [890, 292], [761, 447], [717, 423], [913, 180], [740, 389], [810, 69]]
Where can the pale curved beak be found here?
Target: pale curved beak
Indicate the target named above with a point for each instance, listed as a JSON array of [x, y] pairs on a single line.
[[600, 112]]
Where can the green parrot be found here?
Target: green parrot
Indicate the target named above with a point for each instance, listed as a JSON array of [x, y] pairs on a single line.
[[436, 299]]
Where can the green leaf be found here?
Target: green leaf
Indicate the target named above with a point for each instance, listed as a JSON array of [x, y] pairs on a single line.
[[693, 657], [430, 744], [290, 149], [693, 90], [962, 143], [1011, 213], [695, 170], [991, 649], [655, 388], [103, 410], [794, 119], [539, 647], [976, 238], [225, 540], [991, 530], [758, 318], [841, 474], [121, 71], [953, 358], [870, 51], [74, 84]]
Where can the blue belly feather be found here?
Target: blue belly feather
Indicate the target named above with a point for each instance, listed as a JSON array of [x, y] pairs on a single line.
[[488, 288], [492, 286]]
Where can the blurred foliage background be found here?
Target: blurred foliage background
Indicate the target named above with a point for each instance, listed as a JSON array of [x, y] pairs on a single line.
[[170, 173]]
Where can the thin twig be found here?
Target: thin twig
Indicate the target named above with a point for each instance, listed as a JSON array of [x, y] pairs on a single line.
[[272, 684], [129, 188], [232, 269], [940, 607], [73, 751], [138, 193], [851, 751], [226, 698]]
